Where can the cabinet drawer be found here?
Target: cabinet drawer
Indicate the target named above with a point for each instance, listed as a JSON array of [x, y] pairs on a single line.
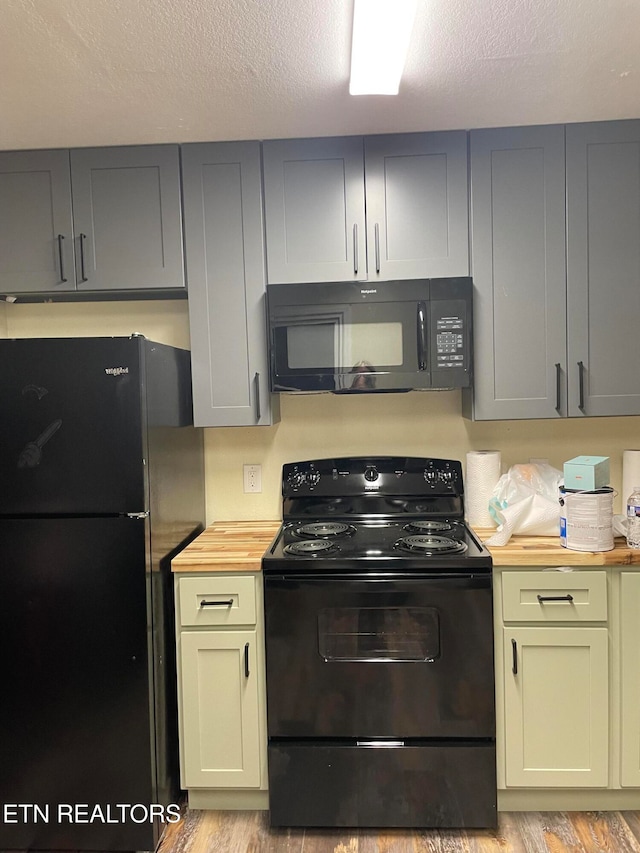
[[218, 601], [554, 596]]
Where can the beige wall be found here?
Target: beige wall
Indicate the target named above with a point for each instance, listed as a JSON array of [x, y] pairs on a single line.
[[313, 426], [3, 320]]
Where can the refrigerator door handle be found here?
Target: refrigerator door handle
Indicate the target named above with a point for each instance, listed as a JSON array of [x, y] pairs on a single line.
[[138, 514]]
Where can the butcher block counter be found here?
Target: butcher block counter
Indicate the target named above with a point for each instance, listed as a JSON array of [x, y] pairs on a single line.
[[228, 546]]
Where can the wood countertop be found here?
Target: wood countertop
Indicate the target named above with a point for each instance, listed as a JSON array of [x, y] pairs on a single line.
[[238, 546], [227, 546], [547, 551]]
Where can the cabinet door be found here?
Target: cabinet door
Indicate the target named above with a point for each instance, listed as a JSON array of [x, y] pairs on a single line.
[[225, 265], [603, 267], [36, 234], [417, 205], [630, 680], [314, 210], [127, 217], [556, 701], [518, 268], [220, 723]]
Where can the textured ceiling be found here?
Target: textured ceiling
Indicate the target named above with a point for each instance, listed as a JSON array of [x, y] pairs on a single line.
[[109, 72]]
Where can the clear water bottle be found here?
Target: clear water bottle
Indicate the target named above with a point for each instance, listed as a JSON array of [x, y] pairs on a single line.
[[633, 518]]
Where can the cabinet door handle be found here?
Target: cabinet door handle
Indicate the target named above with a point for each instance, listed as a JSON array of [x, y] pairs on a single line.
[[377, 241], [514, 656], [581, 385], [355, 248], [60, 256], [543, 598], [205, 603], [246, 660], [256, 384], [558, 375], [83, 277]]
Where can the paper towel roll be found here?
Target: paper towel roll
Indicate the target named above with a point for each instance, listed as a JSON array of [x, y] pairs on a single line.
[[483, 472], [630, 476]]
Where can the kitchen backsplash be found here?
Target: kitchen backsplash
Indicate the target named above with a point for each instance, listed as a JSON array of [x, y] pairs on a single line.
[[315, 426]]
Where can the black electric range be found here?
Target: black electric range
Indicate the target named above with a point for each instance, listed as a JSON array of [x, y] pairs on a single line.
[[376, 514]]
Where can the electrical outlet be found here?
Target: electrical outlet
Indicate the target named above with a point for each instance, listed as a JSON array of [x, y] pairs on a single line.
[[252, 478]]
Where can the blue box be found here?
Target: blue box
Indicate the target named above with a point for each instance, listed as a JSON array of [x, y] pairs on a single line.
[[586, 472]]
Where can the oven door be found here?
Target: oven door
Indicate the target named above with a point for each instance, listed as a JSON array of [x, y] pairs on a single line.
[[364, 658]]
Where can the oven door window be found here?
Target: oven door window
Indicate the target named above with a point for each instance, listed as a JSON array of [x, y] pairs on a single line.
[[379, 634]]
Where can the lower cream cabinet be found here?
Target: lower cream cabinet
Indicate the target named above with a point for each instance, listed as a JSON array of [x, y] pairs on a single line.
[[220, 640], [630, 678], [567, 688]]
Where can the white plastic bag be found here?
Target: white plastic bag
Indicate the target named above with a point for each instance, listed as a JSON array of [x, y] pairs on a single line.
[[525, 500]]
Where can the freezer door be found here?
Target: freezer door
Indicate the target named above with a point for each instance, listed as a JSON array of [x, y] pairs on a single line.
[[71, 432], [76, 719]]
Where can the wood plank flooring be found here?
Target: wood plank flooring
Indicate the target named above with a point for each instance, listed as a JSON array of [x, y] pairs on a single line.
[[518, 832]]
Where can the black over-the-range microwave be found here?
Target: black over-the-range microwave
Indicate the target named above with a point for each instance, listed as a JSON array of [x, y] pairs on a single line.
[[367, 337]]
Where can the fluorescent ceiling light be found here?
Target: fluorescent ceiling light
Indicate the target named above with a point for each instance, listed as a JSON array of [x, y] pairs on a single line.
[[381, 33]]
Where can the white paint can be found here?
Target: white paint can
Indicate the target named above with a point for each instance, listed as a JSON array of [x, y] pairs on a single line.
[[586, 519]]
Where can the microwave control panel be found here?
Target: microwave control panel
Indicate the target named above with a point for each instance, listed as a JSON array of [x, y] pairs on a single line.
[[450, 347]]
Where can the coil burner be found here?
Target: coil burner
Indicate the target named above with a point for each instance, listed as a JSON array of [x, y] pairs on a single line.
[[310, 548], [428, 545], [325, 530], [429, 526]]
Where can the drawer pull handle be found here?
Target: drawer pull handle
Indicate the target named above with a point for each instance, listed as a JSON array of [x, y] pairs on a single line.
[[205, 603], [543, 598], [514, 654], [246, 660]]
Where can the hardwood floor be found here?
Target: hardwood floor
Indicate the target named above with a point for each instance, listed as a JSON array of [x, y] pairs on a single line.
[[518, 832]]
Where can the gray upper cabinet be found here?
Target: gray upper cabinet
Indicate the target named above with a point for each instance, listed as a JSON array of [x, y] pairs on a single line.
[[127, 217], [225, 269], [414, 188], [36, 229], [518, 268], [314, 210], [417, 205], [603, 267], [94, 219]]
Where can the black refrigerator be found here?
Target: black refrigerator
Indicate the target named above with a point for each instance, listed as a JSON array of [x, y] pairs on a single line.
[[101, 484]]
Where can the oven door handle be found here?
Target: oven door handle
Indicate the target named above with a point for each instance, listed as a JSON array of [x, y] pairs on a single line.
[[422, 336]]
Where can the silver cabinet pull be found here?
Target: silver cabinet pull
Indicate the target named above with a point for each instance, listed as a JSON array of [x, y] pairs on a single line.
[[227, 603], [558, 375], [256, 383], [377, 242], [60, 256], [246, 660], [514, 656], [355, 248]]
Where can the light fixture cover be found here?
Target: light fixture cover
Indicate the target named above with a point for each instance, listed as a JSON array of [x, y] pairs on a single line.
[[381, 34]]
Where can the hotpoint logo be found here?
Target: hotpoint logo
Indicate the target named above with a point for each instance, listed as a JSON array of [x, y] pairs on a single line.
[[369, 291], [116, 371]]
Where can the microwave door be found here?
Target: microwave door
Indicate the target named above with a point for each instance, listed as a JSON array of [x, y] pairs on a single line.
[[369, 346]]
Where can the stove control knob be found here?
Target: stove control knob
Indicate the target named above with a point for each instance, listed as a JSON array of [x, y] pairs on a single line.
[[313, 477], [371, 474], [430, 475], [295, 479]]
